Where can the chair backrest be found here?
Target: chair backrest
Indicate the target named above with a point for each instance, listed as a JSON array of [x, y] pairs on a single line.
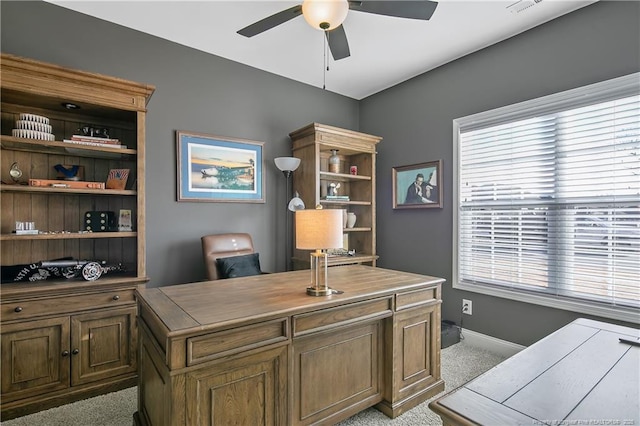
[[223, 245]]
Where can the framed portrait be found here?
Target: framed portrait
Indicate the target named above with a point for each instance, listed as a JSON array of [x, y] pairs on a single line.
[[219, 169], [418, 186]]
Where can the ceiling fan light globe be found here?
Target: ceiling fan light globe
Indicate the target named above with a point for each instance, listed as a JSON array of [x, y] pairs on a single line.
[[325, 14]]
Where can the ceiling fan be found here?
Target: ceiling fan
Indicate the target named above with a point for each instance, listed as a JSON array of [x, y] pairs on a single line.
[[328, 15]]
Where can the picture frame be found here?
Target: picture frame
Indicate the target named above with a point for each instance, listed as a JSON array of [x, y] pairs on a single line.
[[219, 169], [407, 194]]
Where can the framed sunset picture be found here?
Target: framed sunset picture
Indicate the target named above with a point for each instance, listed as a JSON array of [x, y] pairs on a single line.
[[219, 169]]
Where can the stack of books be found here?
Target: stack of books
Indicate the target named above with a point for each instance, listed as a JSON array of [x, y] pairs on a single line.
[[94, 141], [337, 198]]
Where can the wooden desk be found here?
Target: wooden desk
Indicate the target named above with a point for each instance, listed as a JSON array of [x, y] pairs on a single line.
[[258, 350], [579, 375]]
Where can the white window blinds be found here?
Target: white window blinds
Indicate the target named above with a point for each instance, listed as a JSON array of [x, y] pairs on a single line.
[[549, 199]]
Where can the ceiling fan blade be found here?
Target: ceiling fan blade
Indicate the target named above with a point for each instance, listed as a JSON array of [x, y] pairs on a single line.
[[338, 43], [271, 21], [412, 9]]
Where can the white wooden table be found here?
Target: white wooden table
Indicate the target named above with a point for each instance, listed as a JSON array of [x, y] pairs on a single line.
[[580, 375]]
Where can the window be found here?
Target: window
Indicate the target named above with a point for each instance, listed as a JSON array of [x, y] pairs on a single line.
[[548, 200]]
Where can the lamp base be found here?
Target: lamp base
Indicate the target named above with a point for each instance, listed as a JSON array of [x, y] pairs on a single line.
[[319, 275], [312, 291]]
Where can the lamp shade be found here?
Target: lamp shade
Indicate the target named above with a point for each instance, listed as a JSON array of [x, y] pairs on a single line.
[[296, 203], [318, 229], [325, 14], [287, 164]]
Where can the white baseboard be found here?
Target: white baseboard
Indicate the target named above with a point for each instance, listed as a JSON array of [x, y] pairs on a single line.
[[491, 344]]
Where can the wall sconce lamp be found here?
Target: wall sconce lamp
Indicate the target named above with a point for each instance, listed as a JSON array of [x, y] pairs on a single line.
[[319, 229]]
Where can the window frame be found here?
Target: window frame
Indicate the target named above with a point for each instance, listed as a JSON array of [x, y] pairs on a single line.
[[599, 92]]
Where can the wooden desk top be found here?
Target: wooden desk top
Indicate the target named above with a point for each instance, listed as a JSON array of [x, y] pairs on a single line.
[[579, 375], [231, 302]]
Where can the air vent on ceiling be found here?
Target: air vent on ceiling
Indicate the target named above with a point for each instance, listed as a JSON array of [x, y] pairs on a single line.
[[521, 5]]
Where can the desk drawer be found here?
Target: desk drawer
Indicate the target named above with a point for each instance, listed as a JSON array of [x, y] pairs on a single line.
[[342, 315], [414, 298], [16, 310], [215, 345]]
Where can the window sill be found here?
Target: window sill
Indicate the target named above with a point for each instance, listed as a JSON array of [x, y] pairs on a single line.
[[619, 313]]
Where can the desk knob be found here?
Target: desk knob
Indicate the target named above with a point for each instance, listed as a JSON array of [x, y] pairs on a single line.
[[116, 297], [18, 309]]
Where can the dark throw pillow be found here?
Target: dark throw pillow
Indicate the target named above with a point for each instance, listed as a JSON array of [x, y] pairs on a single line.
[[239, 266]]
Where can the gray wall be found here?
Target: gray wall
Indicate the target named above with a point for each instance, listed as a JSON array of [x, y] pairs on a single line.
[[204, 93], [598, 42], [196, 92]]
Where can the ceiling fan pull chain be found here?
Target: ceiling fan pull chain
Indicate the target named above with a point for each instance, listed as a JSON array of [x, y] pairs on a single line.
[[325, 65], [326, 48]]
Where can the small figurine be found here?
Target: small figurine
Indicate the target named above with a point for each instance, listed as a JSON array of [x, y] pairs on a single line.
[[333, 189], [15, 173]]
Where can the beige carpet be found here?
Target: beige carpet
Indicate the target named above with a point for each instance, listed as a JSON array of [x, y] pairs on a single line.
[[460, 363]]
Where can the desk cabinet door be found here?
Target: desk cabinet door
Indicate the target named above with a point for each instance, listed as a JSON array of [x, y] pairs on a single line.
[[417, 346], [337, 372], [249, 390], [103, 344], [35, 358]]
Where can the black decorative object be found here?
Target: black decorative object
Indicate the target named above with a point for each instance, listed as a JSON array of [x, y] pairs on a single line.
[[69, 172], [100, 221], [67, 267], [96, 132]]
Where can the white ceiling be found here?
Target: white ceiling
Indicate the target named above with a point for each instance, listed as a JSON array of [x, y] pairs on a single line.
[[384, 50]]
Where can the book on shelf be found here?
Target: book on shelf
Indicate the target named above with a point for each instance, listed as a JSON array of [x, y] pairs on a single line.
[[82, 138], [26, 232], [75, 184], [337, 198], [91, 143]]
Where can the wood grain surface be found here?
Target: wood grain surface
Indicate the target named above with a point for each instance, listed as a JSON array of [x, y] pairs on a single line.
[[580, 374]]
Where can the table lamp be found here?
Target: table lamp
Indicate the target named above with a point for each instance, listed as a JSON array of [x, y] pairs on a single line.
[[319, 229]]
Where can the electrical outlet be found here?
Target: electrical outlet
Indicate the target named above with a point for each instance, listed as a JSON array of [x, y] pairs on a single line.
[[467, 307]]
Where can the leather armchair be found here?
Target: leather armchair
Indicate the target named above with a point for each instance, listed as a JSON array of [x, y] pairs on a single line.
[[224, 245]]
